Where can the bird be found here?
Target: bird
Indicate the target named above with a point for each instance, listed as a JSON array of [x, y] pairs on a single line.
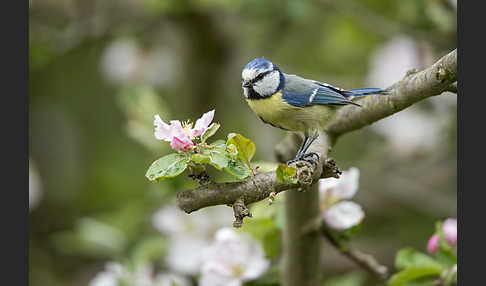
[[294, 103]]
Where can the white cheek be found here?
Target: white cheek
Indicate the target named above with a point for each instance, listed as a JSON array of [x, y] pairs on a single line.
[[268, 85]]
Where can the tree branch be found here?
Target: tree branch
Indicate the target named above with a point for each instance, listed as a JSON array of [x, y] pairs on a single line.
[[414, 87], [364, 260]]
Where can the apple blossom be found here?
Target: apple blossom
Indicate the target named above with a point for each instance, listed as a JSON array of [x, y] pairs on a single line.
[[336, 212], [181, 135], [232, 259], [343, 215], [189, 235]]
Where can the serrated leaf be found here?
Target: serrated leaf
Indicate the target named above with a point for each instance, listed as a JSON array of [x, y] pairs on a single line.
[[286, 174], [410, 274], [210, 131], [238, 170], [409, 257], [201, 158], [168, 166], [246, 148]]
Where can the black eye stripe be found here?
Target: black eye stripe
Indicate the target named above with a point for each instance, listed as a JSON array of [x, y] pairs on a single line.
[[260, 76]]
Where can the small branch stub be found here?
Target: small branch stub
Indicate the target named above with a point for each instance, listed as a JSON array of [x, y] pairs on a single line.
[[240, 211]]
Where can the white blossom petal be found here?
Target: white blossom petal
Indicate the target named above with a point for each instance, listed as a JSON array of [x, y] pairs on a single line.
[[343, 188], [233, 257], [214, 278], [343, 215], [110, 276], [163, 131], [203, 123]]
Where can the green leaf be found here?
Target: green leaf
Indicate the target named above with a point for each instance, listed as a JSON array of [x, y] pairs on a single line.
[[167, 167], [219, 158], [408, 257], [210, 131], [201, 158], [218, 144], [238, 170], [286, 174], [410, 274], [246, 148]]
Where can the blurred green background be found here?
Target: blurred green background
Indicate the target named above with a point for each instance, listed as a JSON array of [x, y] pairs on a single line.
[[99, 70]]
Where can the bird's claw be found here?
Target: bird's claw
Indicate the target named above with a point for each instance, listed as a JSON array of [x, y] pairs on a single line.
[[304, 157], [310, 154], [292, 161]]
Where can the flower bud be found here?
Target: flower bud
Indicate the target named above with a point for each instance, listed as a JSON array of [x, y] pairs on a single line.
[[433, 243], [449, 227]]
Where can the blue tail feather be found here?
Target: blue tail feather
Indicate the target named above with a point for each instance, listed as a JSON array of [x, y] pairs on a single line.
[[365, 91]]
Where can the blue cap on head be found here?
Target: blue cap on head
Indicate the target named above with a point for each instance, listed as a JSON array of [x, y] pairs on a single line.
[[259, 64]]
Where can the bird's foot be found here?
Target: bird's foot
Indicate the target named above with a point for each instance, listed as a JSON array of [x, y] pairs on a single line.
[[308, 157], [292, 161], [310, 154], [305, 157]]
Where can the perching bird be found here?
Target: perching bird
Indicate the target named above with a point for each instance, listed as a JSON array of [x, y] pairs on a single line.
[[294, 103]]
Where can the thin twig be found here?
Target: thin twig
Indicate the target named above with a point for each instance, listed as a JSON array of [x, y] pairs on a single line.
[[364, 260]]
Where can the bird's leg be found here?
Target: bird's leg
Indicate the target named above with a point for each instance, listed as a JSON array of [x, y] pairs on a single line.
[[299, 154], [307, 145]]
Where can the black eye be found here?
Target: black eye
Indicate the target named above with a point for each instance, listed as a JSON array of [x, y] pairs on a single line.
[[259, 77]]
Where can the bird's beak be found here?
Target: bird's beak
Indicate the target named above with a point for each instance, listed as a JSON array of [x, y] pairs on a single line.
[[246, 83]]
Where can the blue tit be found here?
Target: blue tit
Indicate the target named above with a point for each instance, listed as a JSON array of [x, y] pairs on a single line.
[[294, 103]]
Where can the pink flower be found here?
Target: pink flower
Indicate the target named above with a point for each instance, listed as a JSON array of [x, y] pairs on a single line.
[[181, 136], [449, 227], [203, 123], [433, 243], [180, 145]]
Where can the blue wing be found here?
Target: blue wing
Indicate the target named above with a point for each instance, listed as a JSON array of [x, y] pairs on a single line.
[[301, 92], [315, 95]]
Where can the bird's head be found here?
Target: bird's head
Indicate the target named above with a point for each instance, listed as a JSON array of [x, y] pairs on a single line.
[[261, 79]]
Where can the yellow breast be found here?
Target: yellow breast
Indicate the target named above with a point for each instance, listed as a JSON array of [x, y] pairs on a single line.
[[275, 111]]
